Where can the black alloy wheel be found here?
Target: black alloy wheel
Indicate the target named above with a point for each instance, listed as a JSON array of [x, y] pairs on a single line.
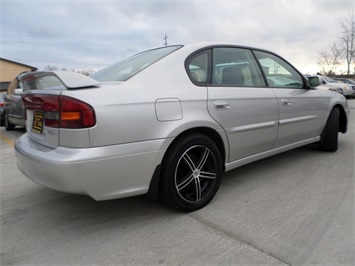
[[191, 173]]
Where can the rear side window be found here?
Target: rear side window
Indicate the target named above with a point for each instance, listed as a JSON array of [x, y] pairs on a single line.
[[278, 72], [225, 66], [38, 82], [127, 68], [235, 67], [197, 67], [48, 82]]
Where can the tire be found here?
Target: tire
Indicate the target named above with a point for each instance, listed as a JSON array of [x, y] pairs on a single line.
[[329, 136], [191, 173], [8, 125]]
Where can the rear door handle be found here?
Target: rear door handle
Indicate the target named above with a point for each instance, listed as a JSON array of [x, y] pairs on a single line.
[[221, 105]]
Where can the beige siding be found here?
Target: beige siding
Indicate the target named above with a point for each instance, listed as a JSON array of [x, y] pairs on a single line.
[[9, 70]]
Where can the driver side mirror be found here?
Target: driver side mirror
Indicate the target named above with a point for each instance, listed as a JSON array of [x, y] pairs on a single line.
[[313, 81]]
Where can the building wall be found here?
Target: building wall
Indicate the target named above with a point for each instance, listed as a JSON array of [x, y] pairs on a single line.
[[8, 71]]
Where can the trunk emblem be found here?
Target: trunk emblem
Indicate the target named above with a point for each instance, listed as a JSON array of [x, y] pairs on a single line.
[[50, 132]]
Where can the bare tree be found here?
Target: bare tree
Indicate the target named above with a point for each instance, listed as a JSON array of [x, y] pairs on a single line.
[[51, 68], [86, 72], [329, 60], [347, 39]]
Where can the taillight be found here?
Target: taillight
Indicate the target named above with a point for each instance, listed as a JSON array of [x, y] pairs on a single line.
[[75, 113], [61, 111]]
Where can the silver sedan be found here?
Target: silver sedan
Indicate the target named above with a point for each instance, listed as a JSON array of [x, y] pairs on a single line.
[[169, 122]]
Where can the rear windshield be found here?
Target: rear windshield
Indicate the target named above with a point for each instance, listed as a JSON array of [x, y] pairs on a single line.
[[127, 68]]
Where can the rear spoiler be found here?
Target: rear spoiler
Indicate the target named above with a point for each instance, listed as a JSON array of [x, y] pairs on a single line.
[[70, 80]]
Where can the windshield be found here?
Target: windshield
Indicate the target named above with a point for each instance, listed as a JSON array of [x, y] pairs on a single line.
[[127, 68], [330, 80]]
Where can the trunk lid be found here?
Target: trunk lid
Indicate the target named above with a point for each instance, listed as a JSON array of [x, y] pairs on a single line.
[[53, 119]]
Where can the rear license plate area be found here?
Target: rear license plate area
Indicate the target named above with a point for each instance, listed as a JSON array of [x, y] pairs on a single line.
[[38, 119]]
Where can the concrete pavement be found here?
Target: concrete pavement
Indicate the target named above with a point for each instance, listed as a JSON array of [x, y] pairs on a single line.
[[296, 208]]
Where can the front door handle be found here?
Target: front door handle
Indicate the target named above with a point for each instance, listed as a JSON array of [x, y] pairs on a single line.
[[221, 105], [285, 102]]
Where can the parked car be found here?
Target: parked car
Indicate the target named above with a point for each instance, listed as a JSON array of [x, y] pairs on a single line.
[[328, 83], [169, 122], [2, 110], [348, 81], [14, 108]]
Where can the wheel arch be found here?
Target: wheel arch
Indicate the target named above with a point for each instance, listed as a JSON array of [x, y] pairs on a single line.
[[209, 132], [154, 186], [343, 122]]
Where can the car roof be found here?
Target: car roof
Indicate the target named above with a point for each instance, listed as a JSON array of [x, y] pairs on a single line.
[[215, 43]]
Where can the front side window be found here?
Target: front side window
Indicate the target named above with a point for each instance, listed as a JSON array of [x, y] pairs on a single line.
[[127, 68], [278, 72], [235, 67]]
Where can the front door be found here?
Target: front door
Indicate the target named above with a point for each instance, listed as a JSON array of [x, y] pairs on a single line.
[[300, 109]]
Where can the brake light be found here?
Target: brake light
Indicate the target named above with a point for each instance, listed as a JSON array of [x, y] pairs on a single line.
[[61, 111]]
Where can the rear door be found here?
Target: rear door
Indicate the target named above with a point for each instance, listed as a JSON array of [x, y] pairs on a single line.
[[239, 100], [300, 109]]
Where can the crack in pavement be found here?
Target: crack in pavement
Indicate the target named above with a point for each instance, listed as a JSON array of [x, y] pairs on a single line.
[[235, 237]]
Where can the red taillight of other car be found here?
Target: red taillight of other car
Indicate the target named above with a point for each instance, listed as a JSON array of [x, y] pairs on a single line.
[[61, 111]]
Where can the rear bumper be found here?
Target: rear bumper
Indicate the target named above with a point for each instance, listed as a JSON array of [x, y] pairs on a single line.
[[103, 172]]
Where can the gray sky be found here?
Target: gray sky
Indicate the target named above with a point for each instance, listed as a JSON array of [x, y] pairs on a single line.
[[78, 34]]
